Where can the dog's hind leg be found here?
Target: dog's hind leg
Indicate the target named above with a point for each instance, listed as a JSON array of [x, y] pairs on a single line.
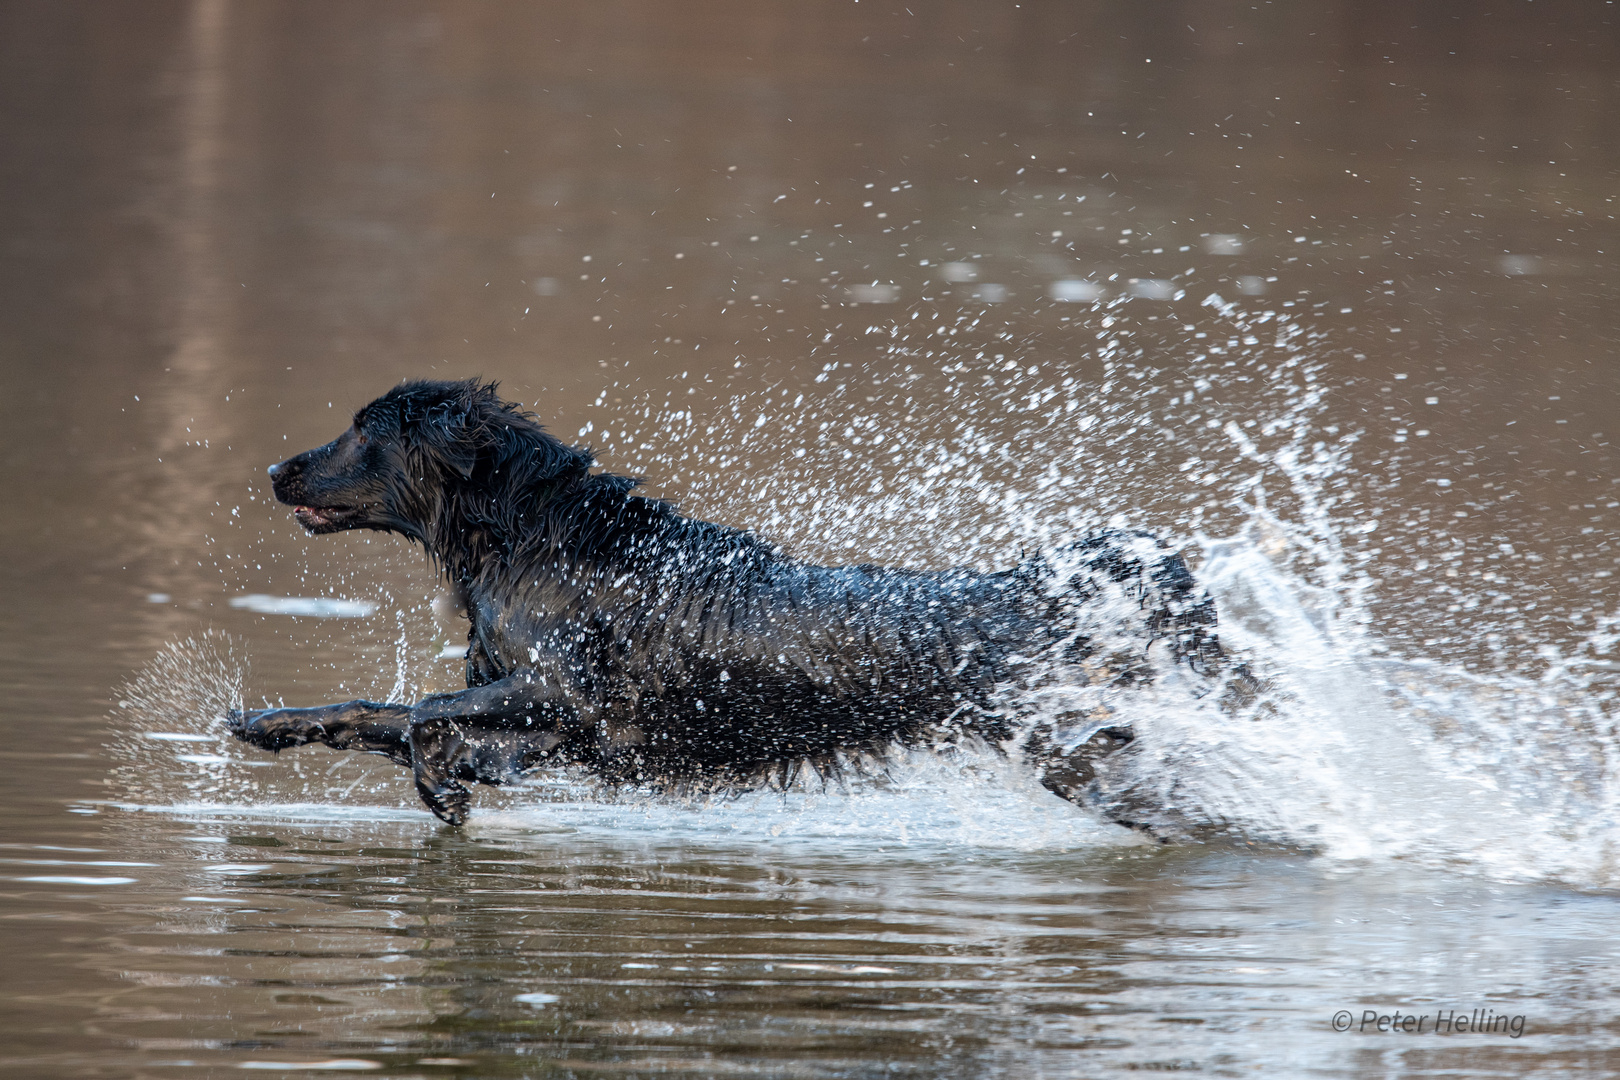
[[366, 726], [1069, 774]]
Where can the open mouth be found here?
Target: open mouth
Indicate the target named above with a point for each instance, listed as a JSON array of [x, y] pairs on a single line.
[[321, 518]]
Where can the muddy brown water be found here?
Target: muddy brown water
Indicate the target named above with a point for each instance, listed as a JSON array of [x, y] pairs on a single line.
[[786, 261]]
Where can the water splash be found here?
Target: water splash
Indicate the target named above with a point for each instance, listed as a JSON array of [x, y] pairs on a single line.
[[169, 737], [172, 749], [962, 449], [1362, 754]]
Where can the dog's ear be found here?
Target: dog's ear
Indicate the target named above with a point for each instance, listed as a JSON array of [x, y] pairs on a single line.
[[448, 431]]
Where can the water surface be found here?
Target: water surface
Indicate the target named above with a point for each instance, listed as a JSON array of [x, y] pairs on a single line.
[[1323, 293]]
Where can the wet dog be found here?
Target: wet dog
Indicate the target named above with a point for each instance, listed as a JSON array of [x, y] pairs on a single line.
[[610, 632]]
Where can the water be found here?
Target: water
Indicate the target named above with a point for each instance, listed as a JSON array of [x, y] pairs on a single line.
[[1322, 294]]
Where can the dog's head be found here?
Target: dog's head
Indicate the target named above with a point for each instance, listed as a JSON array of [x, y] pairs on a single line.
[[409, 452]]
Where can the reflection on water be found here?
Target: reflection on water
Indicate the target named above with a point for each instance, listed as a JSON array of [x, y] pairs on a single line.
[[922, 285], [522, 946]]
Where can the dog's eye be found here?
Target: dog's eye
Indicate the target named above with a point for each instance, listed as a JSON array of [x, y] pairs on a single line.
[[363, 439]]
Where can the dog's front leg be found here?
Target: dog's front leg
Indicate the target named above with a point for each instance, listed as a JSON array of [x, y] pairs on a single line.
[[486, 735], [366, 726]]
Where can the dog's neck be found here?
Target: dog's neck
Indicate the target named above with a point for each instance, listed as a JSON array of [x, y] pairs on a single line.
[[484, 494], [476, 523]]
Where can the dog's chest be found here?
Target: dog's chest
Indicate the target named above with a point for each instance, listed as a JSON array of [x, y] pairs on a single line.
[[514, 628]]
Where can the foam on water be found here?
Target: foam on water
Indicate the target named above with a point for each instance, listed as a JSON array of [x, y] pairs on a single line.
[[981, 801], [314, 607], [1359, 747]]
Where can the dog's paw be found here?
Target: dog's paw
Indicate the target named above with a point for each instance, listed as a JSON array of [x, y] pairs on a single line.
[[274, 729], [438, 749], [449, 801], [450, 804]]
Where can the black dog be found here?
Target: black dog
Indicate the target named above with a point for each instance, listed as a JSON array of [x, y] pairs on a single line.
[[609, 631]]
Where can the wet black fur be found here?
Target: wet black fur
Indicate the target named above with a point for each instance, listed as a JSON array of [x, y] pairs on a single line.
[[610, 632]]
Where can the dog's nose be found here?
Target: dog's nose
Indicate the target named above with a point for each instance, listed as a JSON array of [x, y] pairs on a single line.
[[286, 472]]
